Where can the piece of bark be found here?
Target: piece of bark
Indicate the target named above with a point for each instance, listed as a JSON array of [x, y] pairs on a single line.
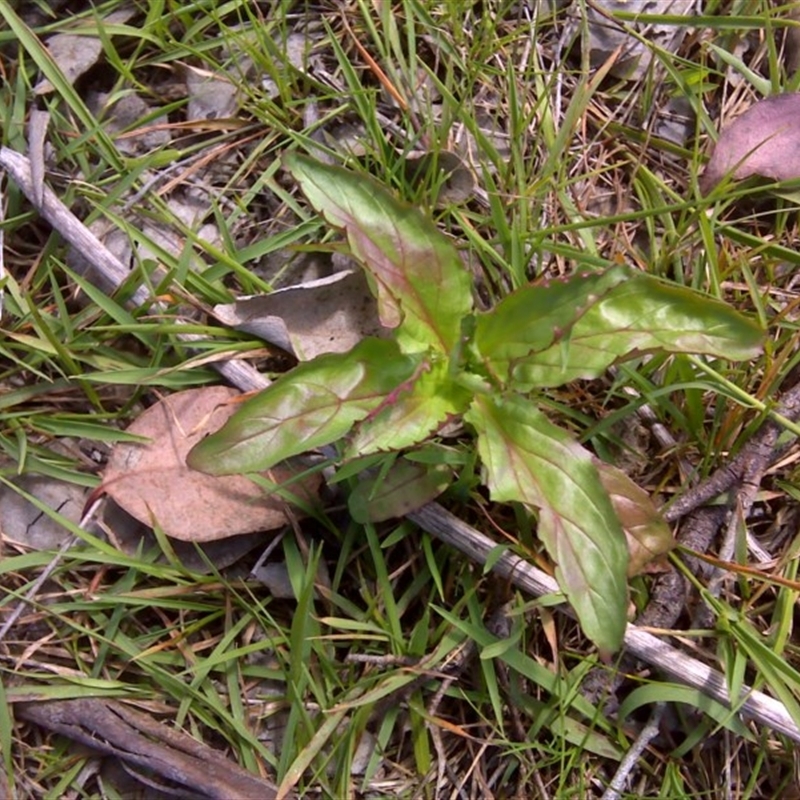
[[115, 729], [670, 590]]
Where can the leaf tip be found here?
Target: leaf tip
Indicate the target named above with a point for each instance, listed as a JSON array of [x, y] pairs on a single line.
[[201, 457]]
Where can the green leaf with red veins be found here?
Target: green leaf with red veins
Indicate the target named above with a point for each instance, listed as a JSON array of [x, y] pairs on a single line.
[[638, 316], [529, 460], [414, 411], [649, 537], [533, 317], [405, 488], [313, 405], [422, 284]]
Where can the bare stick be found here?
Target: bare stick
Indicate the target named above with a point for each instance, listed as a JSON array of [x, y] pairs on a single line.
[[38, 121], [68, 225], [751, 703], [110, 270], [649, 732]]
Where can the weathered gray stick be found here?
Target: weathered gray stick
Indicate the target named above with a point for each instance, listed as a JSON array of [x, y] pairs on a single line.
[[648, 648], [111, 272]]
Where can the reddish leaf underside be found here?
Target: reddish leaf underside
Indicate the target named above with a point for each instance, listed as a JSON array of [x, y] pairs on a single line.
[[529, 460], [313, 405], [642, 314], [764, 140], [422, 284], [649, 537]]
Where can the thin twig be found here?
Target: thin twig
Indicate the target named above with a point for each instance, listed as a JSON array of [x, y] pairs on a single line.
[[38, 121], [648, 648], [626, 766], [36, 586]]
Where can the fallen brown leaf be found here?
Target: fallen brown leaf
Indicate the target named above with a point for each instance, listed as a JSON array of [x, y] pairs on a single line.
[[153, 484], [764, 141]]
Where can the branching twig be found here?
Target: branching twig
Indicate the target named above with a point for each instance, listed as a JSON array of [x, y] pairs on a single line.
[[760, 450]]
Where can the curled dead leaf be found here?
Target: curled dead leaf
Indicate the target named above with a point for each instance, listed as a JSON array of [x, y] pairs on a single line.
[[76, 54], [764, 141], [634, 43], [649, 537], [327, 315], [153, 484]]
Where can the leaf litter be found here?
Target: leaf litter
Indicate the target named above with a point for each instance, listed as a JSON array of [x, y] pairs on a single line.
[[75, 54], [764, 141], [154, 485], [24, 523], [608, 35]]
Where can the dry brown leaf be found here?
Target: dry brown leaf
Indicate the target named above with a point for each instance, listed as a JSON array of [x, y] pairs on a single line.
[[211, 96], [133, 537], [152, 482], [328, 315], [764, 141], [76, 54], [122, 119]]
